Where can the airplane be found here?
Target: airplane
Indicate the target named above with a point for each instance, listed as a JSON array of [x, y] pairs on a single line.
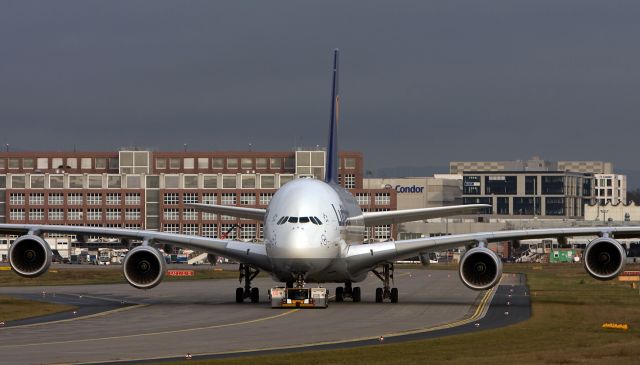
[[314, 233]]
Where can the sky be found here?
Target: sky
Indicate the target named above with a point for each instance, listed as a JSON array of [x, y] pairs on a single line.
[[422, 82]]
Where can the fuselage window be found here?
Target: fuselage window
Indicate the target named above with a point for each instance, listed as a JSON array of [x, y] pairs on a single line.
[[304, 220], [293, 219]]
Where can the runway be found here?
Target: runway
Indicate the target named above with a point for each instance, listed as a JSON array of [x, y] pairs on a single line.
[[120, 323]]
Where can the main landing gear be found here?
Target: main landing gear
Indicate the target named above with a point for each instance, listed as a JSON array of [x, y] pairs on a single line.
[[386, 292], [247, 273], [348, 292]]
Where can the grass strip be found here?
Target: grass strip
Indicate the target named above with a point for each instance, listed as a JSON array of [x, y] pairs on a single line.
[[12, 308]]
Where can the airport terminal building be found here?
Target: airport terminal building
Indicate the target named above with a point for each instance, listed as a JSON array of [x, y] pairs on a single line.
[[149, 189]]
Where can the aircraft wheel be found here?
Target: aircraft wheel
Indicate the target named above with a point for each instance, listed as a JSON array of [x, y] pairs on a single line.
[[378, 295], [255, 295], [239, 295], [356, 294], [394, 295], [339, 294]]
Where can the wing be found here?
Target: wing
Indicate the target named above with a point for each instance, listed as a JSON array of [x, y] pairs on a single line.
[[410, 215], [367, 255], [249, 253], [248, 213]]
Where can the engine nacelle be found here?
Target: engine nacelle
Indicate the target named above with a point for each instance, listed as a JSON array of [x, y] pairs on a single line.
[[30, 256], [144, 267], [604, 258], [480, 268]]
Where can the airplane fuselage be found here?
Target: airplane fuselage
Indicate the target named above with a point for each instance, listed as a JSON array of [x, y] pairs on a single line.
[[308, 228]]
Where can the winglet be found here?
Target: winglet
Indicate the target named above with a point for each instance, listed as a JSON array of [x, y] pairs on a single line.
[[332, 147]]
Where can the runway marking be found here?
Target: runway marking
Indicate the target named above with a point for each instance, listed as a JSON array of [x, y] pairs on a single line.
[[154, 333], [479, 313], [88, 316]]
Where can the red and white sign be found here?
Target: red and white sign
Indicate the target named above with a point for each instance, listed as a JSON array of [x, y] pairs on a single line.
[[180, 273]]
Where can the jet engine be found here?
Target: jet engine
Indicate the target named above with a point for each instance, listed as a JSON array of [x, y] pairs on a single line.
[[480, 268], [144, 267], [604, 258], [30, 256]]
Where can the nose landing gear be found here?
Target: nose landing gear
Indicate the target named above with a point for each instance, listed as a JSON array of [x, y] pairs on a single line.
[[247, 273]]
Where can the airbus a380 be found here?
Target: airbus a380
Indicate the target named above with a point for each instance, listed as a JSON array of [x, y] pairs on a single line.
[[314, 233]]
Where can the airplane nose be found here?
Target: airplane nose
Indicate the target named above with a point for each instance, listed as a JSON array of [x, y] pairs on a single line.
[[296, 239]]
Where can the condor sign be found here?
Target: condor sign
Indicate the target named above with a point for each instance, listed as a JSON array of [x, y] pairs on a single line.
[[407, 189]]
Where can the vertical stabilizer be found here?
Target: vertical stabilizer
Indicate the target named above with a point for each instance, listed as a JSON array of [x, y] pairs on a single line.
[[332, 147]]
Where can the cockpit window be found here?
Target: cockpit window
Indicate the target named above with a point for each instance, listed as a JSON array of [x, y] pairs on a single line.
[[315, 220], [304, 220], [293, 219], [282, 220]]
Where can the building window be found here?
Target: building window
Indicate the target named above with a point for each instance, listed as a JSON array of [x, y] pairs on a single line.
[[132, 199], [232, 163], [101, 163], [210, 181], [228, 231], [229, 181], [474, 200], [171, 198], [531, 185], [210, 230], [75, 181], [113, 199], [554, 206], [18, 181], [247, 199], [209, 198], [382, 232], [72, 163], [114, 214], [190, 229], [37, 181], [247, 232], [363, 198], [248, 181], [95, 181], [14, 163], [174, 163], [350, 181], [56, 181], [161, 163], [94, 214], [36, 199], [56, 199], [206, 216], [16, 199], [217, 163], [36, 214], [246, 163], [132, 226], [42, 163], [503, 206], [74, 199], [190, 181], [171, 228], [261, 163], [285, 179], [525, 206], [74, 214], [471, 185], [203, 163], [114, 181], [501, 185], [16, 214], [383, 198], [228, 199], [188, 163], [553, 185], [267, 181], [94, 198], [189, 214], [349, 163], [171, 214], [132, 214], [190, 198], [56, 214], [275, 163], [265, 198]]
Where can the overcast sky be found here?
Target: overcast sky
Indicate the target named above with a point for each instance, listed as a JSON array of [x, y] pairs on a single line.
[[422, 82]]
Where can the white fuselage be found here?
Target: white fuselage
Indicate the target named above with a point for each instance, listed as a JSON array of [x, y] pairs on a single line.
[[308, 228]]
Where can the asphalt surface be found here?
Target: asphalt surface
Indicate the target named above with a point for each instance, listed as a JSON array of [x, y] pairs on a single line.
[[120, 323]]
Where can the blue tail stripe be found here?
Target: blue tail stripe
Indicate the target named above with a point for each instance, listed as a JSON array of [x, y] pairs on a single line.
[[332, 147]]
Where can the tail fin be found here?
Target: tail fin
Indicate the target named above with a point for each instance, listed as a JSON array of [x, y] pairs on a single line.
[[332, 148]]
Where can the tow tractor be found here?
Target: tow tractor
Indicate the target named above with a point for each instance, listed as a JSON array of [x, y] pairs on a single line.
[[299, 297]]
